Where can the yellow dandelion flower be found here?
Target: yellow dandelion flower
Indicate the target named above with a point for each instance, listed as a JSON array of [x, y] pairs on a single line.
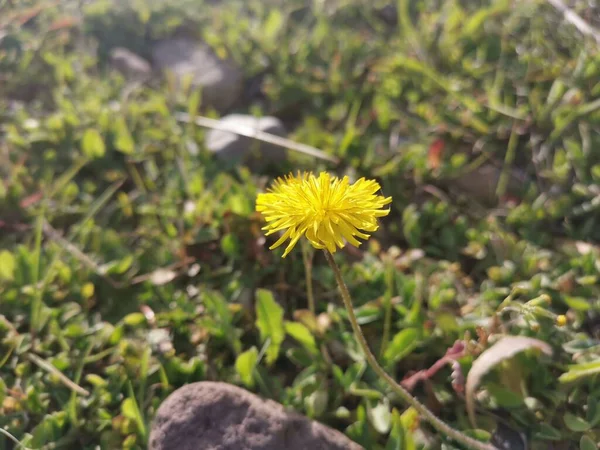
[[325, 209], [561, 320]]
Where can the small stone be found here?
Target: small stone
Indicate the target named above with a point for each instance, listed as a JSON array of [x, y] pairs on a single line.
[[220, 80], [507, 438], [482, 182], [389, 14], [230, 146], [219, 416], [131, 65]]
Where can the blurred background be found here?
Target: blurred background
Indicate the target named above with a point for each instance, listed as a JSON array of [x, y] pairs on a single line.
[[132, 261]]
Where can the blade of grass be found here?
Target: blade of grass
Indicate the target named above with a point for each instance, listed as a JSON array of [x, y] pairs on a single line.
[[14, 439], [350, 132], [407, 31], [307, 259], [508, 162], [580, 112], [72, 407], [53, 370], [415, 66], [574, 19], [139, 420], [387, 298], [257, 134], [62, 181], [51, 233], [36, 303], [95, 207], [143, 374], [93, 210]]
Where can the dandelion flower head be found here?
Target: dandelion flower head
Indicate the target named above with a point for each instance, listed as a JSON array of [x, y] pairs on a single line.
[[326, 209]]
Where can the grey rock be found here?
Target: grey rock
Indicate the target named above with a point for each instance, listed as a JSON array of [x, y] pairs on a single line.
[[221, 82], [131, 65], [482, 182], [389, 14], [230, 146], [219, 416]]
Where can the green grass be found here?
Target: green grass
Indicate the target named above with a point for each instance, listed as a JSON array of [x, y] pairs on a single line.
[[129, 266]]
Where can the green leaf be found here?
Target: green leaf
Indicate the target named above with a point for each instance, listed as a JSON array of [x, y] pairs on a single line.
[[301, 334], [402, 344], [593, 410], [475, 23], [122, 266], [128, 409], [578, 371], [577, 303], [230, 245], [381, 417], [409, 420], [505, 348], [92, 144], [411, 225], [396, 437], [586, 443], [595, 171], [48, 430], [269, 320], [479, 434], [299, 357], [123, 141], [272, 25], [2, 390], [575, 423], [7, 265], [504, 396], [548, 433], [194, 103], [219, 320], [134, 319], [316, 403], [96, 380], [383, 108], [245, 364], [371, 394]]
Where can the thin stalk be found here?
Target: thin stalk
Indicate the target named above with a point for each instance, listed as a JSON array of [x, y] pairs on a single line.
[[442, 427], [387, 298], [508, 162], [14, 439], [307, 257], [37, 300]]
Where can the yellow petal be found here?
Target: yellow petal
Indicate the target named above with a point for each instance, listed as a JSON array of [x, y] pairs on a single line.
[[327, 210]]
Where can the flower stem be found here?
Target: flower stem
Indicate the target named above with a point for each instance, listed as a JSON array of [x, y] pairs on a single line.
[[387, 320], [307, 256], [435, 422]]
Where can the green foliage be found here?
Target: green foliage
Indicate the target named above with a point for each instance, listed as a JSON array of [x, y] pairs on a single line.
[[269, 321], [245, 364], [401, 345], [131, 260]]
